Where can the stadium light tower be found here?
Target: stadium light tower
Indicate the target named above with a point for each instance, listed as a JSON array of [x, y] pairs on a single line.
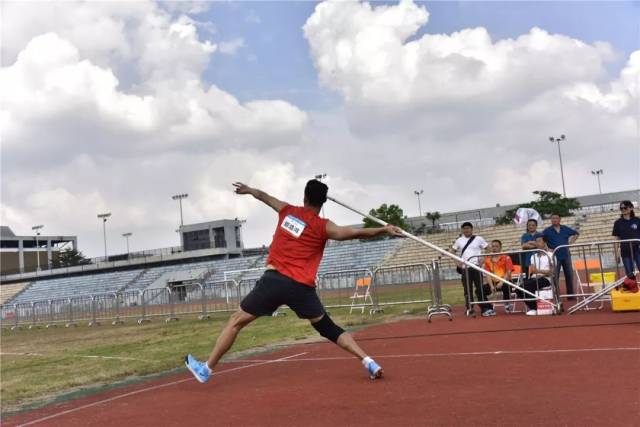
[[597, 174], [36, 229], [126, 236], [104, 217], [179, 198], [419, 193], [320, 177], [559, 140]]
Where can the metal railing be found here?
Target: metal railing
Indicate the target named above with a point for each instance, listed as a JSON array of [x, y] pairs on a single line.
[[343, 289], [437, 307], [402, 284], [360, 288], [596, 268]]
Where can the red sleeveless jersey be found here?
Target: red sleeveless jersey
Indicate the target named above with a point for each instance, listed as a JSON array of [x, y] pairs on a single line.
[[298, 244]]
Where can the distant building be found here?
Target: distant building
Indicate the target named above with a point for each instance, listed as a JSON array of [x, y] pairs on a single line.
[[23, 254], [223, 234]]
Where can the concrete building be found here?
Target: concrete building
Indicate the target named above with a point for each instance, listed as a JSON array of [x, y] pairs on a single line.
[[221, 234], [23, 254]]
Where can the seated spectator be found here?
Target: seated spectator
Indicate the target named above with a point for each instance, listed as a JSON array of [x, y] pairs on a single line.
[[528, 242], [500, 265], [540, 272]]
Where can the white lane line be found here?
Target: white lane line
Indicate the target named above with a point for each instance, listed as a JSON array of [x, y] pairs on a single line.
[[132, 393], [471, 353], [75, 355]]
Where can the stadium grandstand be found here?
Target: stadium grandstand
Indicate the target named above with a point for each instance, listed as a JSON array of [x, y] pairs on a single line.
[[212, 262], [592, 227]]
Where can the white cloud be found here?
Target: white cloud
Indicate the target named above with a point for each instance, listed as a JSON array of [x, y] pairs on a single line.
[[252, 17], [104, 108], [77, 141], [468, 117], [140, 41], [232, 46]]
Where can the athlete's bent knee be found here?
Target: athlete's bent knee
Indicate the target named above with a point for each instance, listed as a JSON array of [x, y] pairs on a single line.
[[241, 318], [328, 329]]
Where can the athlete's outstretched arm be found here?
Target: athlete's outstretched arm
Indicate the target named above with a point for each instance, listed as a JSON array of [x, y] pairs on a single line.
[[260, 195], [336, 232]]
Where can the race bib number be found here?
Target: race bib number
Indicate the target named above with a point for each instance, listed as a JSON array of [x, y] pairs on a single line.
[[293, 226]]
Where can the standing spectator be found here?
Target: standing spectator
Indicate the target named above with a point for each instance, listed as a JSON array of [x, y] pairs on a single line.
[[558, 235], [625, 228], [528, 242], [470, 247], [539, 274], [500, 265]]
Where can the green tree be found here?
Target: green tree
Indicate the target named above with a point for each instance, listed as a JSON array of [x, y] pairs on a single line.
[[548, 203], [433, 217], [393, 214], [69, 258], [421, 229]]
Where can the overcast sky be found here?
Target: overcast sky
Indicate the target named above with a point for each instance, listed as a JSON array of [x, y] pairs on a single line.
[[116, 106]]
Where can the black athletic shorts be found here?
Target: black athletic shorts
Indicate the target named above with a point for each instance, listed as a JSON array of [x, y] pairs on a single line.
[[275, 289]]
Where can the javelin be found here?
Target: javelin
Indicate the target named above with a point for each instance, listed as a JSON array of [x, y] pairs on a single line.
[[446, 253]]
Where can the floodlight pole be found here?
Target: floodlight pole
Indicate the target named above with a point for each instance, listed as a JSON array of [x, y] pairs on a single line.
[[36, 229], [559, 140], [104, 217], [597, 174], [179, 198], [418, 193], [126, 236]]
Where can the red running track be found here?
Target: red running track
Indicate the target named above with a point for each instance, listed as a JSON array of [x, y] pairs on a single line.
[[580, 370]]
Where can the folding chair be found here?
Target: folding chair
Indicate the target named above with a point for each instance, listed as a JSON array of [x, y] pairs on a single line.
[[361, 294]]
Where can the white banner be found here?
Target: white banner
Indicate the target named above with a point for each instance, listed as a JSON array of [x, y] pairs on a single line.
[[525, 214]]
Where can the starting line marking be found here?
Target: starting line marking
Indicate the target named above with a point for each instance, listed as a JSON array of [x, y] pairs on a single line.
[[132, 393]]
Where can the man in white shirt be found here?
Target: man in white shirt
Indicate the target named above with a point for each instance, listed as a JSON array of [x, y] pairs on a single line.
[[469, 247], [540, 269]]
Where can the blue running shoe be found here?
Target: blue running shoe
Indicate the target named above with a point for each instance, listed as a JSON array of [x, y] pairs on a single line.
[[375, 370], [200, 370]]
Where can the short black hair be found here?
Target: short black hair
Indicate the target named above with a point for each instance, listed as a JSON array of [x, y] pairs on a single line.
[[497, 241], [316, 192], [556, 214], [532, 220], [466, 224], [544, 238]]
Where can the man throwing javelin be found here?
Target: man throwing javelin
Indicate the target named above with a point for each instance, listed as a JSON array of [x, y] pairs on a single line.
[[292, 265]]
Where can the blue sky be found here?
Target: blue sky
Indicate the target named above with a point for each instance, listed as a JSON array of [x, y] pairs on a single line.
[[275, 63]]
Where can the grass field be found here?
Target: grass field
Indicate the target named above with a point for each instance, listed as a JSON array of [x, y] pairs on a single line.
[[63, 360]]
